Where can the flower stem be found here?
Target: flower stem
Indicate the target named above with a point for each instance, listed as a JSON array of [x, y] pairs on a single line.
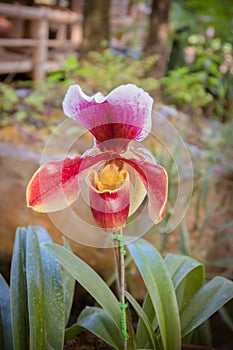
[[122, 292], [120, 259]]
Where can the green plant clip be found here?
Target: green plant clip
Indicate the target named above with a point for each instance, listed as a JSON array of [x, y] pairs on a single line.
[[123, 307], [121, 241]]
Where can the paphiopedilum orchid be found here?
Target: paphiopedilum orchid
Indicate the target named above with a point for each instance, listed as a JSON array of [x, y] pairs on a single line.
[[118, 176]]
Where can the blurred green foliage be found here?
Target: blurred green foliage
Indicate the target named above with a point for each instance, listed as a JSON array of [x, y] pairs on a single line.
[[215, 13], [33, 103], [103, 71], [186, 90], [199, 15], [100, 72], [199, 78], [204, 86], [8, 98]]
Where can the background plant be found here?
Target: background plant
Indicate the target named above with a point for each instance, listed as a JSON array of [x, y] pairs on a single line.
[[106, 70], [201, 58], [205, 85], [39, 104]]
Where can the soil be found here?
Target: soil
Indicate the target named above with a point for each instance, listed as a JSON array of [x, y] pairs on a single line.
[[86, 341]]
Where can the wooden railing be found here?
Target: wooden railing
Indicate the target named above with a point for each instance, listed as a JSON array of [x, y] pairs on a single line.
[[36, 61]]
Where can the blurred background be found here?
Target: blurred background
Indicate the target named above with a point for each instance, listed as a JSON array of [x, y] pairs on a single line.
[[180, 51]]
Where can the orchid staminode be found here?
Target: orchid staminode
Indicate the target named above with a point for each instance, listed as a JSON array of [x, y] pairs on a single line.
[[118, 175]]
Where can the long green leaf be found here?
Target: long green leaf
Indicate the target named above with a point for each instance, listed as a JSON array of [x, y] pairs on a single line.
[[89, 279], [162, 293], [54, 313], [45, 293], [98, 322], [180, 266], [18, 283], [187, 276], [36, 303], [148, 309], [205, 303], [5, 313], [2, 346], [148, 330], [36, 293], [68, 285]]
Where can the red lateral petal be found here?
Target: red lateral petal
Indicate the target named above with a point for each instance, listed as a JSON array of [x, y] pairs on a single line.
[[155, 180], [110, 209], [55, 185]]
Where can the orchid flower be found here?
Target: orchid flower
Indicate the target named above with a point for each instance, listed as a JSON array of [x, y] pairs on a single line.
[[118, 175]]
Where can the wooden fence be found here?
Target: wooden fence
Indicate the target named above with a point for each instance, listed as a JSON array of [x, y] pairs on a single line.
[[34, 55]]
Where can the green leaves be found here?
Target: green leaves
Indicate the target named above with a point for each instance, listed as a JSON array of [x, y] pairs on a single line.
[[205, 303], [68, 285], [6, 340], [177, 302], [196, 301], [147, 336], [20, 318], [160, 288], [39, 293], [35, 290], [89, 279], [98, 321], [187, 276], [105, 322]]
